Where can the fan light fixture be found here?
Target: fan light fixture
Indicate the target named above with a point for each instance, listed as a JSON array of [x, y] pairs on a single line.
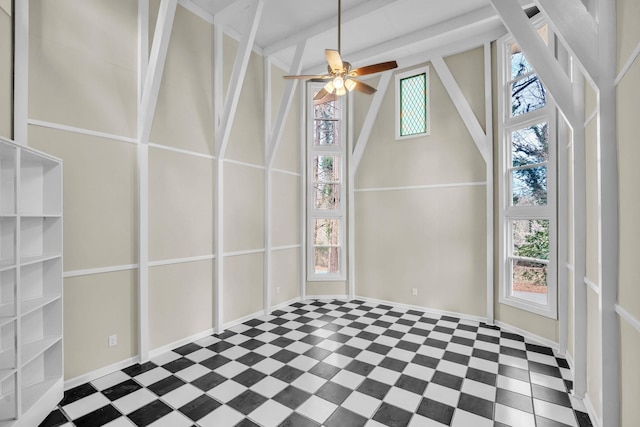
[[340, 75]]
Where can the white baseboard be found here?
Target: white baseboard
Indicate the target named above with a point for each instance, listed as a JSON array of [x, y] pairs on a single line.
[[595, 420], [425, 309], [160, 350], [98, 373], [325, 297], [526, 334]]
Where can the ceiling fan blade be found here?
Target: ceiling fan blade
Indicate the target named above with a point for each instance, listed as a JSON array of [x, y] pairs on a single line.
[[363, 87], [306, 77], [376, 68], [334, 60], [320, 95]]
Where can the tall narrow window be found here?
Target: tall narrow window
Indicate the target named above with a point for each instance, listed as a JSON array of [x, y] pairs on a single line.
[[412, 103], [326, 153], [527, 184]]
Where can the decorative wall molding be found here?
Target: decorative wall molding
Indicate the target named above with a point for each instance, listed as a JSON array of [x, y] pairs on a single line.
[[421, 187], [99, 270], [181, 151], [593, 286], [627, 65], [285, 248], [628, 317], [282, 171], [58, 126], [181, 260], [240, 253], [249, 165]]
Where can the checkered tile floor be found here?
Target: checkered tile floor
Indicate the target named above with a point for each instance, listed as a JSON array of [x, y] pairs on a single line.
[[337, 363]]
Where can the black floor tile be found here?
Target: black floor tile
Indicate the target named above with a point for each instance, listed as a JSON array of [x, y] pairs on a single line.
[[149, 413], [411, 384], [476, 405], [343, 417], [166, 385], [120, 390], [97, 418], [297, 420], [514, 400], [447, 380], [208, 381], [54, 419], [247, 401], [392, 416], [435, 410], [550, 395], [199, 407], [292, 397], [334, 393], [77, 393]]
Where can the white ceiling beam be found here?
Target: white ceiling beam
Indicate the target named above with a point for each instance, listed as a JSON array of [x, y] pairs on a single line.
[[155, 68], [369, 121], [355, 12], [434, 36], [233, 8], [577, 29], [539, 55], [237, 79], [285, 105], [197, 10], [462, 105]]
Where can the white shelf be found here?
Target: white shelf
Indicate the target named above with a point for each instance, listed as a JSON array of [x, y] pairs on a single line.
[[30, 284], [33, 349], [26, 261], [30, 305]]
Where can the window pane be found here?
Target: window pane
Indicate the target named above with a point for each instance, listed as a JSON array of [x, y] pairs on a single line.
[[530, 145], [527, 94], [326, 168], [413, 105], [326, 260], [529, 186], [529, 281], [530, 238], [326, 115], [326, 196], [326, 232]]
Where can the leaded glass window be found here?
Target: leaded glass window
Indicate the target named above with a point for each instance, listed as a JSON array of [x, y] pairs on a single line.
[[412, 103]]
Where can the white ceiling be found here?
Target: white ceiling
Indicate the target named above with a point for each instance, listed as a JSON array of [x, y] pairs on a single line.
[[372, 30]]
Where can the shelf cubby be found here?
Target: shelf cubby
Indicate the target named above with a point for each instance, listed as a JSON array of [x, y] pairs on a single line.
[[40, 185], [41, 373], [7, 179], [7, 242], [40, 236], [40, 280], [7, 294], [8, 346], [8, 408]]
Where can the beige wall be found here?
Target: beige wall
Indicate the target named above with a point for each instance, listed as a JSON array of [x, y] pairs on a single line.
[[6, 71], [420, 238], [628, 93]]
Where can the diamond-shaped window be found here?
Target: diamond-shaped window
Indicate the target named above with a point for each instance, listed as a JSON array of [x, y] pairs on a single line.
[[413, 105]]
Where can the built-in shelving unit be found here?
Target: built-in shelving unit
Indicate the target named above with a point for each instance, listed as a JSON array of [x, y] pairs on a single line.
[[31, 377]]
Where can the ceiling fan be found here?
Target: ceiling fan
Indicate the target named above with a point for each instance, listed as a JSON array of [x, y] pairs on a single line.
[[340, 76]]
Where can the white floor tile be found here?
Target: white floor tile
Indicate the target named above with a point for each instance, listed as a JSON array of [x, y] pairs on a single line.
[[317, 409], [267, 350], [479, 389], [442, 394], [136, 400], [226, 391], [118, 422], [270, 414], [547, 381], [173, 419], [420, 421], [268, 366], [403, 399], [182, 395], [85, 405], [152, 376], [384, 375], [348, 379], [453, 368], [235, 352], [361, 404], [231, 369], [513, 417], [269, 386], [224, 416], [400, 354], [192, 372], [514, 385], [303, 363], [516, 362], [309, 382], [554, 412], [466, 419], [200, 355], [419, 371], [370, 357], [337, 360], [166, 357], [110, 380]]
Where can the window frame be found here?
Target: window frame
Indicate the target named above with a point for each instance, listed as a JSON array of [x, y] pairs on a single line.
[[313, 213], [398, 108], [507, 212]]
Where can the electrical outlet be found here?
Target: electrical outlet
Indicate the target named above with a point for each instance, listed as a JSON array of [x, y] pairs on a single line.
[[113, 340], [278, 290], [414, 291]]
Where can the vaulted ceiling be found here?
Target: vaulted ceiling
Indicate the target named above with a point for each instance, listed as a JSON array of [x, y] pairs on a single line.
[[372, 30]]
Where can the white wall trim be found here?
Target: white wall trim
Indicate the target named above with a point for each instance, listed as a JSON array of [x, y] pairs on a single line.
[[285, 304], [428, 310], [240, 253], [591, 411], [241, 320], [286, 172], [421, 187], [98, 373], [181, 151], [627, 65], [590, 117], [628, 317], [591, 285], [529, 335], [249, 165], [181, 260], [99, 270], [327, 297], [569, 267], [168, 347], [196, 10], [82, 131], [21, 72], [285, 248]]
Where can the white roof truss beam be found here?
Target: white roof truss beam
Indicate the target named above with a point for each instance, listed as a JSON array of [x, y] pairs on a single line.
[[237, 78], [369, 121], [285, 104], [539, 55], [462, 105], [155, 68], [577, 29], [355, 12]]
